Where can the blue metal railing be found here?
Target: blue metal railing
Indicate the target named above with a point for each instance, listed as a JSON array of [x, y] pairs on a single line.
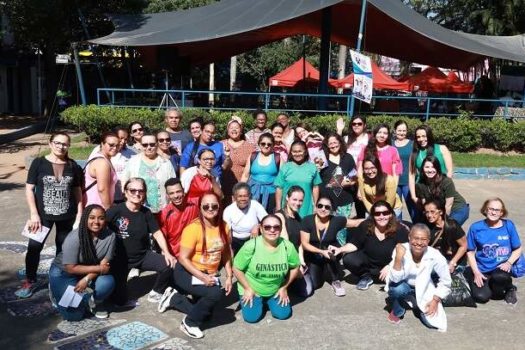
[[419, 106]]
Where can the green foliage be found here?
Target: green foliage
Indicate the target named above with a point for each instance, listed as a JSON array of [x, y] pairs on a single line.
[[460, 134], [155, 6]]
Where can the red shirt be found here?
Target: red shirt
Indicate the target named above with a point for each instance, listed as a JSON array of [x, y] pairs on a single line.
[[172, 221]]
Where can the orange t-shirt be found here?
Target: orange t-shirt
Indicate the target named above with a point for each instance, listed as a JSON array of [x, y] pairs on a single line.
[[215, 248]]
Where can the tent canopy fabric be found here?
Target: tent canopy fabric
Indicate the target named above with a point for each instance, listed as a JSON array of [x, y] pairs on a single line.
[[230, 27], [432, 79], [381, 81], [292, 75]]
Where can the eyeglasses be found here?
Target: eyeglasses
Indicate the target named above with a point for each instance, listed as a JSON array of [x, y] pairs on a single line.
[[272, 227], [381, 213], [210, 207], [135, 191], [494, 210], [151, 144], [60, 144], [357, 124], [325, 206], [266, 144], [164, 140], [112, 145], [136, 130]]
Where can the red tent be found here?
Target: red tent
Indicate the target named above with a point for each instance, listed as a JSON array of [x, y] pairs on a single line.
[[381, 81], [433, 80], [292, 75]]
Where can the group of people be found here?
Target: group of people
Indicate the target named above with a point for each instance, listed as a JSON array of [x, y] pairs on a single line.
[[278, 210]]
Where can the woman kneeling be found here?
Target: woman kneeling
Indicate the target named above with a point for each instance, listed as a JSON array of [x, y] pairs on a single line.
[[83, 264], [265, 267]]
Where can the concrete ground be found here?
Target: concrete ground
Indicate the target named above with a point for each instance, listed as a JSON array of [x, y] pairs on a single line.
[[321, 322]]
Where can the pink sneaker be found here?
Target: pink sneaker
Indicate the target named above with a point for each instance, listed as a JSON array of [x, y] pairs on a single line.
[[393, 318]]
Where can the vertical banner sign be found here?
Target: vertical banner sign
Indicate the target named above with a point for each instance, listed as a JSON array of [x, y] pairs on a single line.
[[362, 77]]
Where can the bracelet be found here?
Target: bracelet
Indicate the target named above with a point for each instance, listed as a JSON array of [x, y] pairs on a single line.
[[87, 279]]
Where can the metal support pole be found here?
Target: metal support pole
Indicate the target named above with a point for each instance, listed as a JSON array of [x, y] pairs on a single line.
[[79, 75], [326, 33], [428, 110], [358, 47]]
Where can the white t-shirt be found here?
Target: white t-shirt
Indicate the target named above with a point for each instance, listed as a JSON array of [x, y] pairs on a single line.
[[243, 221]]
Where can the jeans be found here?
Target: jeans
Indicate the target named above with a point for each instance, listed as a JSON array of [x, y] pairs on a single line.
[[34, 248], [398, 293], [207, 297], [254, 313], [498, 282], [59, 280], [403, 191], [460, 215]]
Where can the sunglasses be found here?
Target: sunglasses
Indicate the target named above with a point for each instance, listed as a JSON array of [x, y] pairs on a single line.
[[357, 124], [164, 140], [381, 213], [135, 191], [209, 207], [266, 144], [136, 130], [325, 206], [112, 145], [151, 144], [60, 144], [272, 227]]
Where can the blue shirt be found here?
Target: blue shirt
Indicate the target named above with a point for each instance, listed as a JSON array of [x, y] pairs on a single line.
[[493, 246], [216, 147]]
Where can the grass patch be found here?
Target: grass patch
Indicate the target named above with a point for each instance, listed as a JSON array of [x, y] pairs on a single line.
[[478, 160]]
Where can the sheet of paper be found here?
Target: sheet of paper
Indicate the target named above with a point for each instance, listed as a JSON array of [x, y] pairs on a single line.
[[38, 236], [196, 282], [70, 298]]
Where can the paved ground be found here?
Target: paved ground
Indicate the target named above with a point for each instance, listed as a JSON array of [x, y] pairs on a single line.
[[321, 322]]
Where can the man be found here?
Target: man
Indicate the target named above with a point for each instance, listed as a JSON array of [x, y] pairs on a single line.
[[252, 136], [176, 215], [179, 137], [222, 153]]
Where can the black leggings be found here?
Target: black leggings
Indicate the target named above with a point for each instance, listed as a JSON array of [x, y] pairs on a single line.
[[34, 248], [359, 265], [323, 270], [498, 282]]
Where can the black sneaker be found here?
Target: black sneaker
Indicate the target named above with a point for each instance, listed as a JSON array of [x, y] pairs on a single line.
[[511, 296]]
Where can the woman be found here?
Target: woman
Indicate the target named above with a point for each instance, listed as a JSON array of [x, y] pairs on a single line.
[[370, 246], [375, 185], [434, 185], [446, 235], [100, 176], [424, 146], [260, 172], [261, 118], [412, 275], [133, 223], [166, 151], [278, 145], [136, 130], [298, 171], [199, 179], [204, 247], [493, 246], [84, 262], [339, 177], [54, 197], [357, 137], [154, 169], [195, 128], [265, 267], [379, 146], [243, 216], [321, 247], [404, 148], [288, 132], [240, 152]]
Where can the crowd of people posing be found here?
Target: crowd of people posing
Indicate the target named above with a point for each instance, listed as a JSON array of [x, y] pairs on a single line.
[[278, 210]]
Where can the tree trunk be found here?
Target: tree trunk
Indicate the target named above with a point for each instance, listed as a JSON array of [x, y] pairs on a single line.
[[341, 59]]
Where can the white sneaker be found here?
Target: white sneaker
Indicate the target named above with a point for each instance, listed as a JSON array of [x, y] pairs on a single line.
[[192, 332], [154, 297], [133, 273], [164, 302]]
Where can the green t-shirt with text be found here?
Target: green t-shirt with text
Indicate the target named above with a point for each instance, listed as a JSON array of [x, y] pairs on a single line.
[[265, 269]]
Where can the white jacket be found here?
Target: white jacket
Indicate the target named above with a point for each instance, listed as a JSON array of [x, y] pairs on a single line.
[[432, 260]]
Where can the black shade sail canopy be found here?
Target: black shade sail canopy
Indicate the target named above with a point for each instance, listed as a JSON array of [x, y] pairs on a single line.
[[230, 27]]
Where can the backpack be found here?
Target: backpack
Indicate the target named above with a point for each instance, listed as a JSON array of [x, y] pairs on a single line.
[[276, 156], [85, 189]]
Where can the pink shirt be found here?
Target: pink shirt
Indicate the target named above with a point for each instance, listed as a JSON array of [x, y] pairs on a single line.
[[388, 156], [92, 196]]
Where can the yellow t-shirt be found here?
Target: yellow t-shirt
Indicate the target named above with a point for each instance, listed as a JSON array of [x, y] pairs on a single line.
[[215, 248]]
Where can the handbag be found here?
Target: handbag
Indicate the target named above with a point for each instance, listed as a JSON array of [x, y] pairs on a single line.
[[460, 294], [518, 268]]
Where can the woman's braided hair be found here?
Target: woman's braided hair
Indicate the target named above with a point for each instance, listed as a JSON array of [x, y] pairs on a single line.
[[87, 248]]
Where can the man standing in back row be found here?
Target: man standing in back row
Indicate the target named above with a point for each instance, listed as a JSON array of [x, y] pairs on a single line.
[[179, 137]]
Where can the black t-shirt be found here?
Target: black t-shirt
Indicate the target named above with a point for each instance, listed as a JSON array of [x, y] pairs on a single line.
[[293, 227], [379, 253], [447, 243], [133, 230], [55, 199], [328, 236], [331, 173]]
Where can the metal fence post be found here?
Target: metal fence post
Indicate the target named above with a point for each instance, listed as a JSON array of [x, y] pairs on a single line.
[[266, 101], [183, 98], [428, 109], [506, 110], [98, 97]]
